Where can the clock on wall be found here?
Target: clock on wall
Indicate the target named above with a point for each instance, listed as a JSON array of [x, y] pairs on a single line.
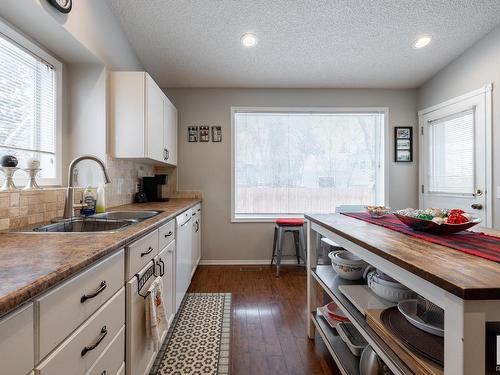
[[63, 6]]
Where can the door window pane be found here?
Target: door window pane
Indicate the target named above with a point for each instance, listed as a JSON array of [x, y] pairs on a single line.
[[452, 154], [292, 163]]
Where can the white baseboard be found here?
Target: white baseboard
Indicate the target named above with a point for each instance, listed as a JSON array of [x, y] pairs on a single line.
[[243, 262]]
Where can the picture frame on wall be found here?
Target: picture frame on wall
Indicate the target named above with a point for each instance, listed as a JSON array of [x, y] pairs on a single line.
[[192, 134], [204, 133], [216, 134], [403, 144]]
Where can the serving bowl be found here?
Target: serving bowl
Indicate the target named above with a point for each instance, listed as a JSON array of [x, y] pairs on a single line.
[[377, 212], [389, 290], [347, 265], [430, 226]]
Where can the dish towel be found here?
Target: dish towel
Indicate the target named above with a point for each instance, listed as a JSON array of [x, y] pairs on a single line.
[[156, 317]]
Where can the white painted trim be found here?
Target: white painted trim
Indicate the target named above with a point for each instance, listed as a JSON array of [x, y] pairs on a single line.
[[32, 47], [245, 262], [485, 89], [486, 93], [384, 155]]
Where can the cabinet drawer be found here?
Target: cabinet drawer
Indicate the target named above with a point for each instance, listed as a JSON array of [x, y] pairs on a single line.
[[112, 358], [166, 234], [140, 253], [81, 350], [76, 300], [17, 341], [65, 308]]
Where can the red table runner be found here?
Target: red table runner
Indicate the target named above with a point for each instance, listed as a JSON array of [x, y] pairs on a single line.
[[474, 243]]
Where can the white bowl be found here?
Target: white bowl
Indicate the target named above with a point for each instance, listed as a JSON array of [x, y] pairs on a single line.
[[346, 257], [393, 292], [348, 269]]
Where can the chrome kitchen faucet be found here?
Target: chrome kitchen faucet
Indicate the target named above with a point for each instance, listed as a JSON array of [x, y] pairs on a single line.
[[69, 205]]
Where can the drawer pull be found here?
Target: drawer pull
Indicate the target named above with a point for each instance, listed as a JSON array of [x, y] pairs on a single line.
[[97, 292], [103, 373], [101, 337], [147, 252], [168, 234]]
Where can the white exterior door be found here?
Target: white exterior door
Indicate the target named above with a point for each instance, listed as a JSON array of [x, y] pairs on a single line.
[[455, 155]]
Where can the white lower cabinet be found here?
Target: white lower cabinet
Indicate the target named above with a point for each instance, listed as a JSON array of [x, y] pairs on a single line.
[[196, 242], [140, 352], [111, 360], [166, 258], [16, 342], [80, 351]]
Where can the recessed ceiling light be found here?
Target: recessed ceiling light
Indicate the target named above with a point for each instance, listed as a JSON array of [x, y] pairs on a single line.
[[422, 41], [249, 40]]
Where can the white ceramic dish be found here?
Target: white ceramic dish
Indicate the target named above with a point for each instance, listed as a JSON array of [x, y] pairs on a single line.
[[347, 266], [409, 310], [389, 291]]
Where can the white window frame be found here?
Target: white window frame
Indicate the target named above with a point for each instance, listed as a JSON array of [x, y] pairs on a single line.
[[31, 47], [460, 104], [382, 190]]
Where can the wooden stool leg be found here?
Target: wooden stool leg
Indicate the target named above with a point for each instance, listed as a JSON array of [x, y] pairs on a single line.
[[296, 239], [279, 250], [274, 244]]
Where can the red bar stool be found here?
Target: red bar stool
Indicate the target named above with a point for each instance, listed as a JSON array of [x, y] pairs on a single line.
[[294, 226]]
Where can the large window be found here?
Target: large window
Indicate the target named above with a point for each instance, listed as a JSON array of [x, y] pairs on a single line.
[[287, 162], [28, 105]]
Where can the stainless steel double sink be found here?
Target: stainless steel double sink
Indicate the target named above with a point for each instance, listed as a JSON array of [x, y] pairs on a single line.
[[105, 222]]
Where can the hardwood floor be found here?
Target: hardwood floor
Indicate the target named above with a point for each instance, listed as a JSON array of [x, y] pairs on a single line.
[[269, 320]]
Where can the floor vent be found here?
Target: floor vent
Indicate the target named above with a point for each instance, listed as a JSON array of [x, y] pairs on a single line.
[[250, 269]]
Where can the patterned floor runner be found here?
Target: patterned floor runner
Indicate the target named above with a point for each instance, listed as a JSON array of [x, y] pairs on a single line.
[[199, 338]]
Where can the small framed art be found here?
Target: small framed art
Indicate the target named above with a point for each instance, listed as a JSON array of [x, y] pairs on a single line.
[[192, 134], [403, 144], [216, 134], [204, 133]]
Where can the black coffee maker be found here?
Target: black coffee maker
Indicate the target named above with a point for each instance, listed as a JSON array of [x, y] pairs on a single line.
[[151, 187]]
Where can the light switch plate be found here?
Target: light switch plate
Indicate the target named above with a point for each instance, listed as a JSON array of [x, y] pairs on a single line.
[[498, 192]]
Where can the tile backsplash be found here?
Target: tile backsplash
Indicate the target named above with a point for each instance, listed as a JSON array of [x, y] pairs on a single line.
[[23, 208]]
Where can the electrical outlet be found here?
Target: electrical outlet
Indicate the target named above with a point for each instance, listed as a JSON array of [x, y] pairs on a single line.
[[498, 192]]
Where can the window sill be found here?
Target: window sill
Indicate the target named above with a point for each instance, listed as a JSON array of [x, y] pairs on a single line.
[[263, 218]]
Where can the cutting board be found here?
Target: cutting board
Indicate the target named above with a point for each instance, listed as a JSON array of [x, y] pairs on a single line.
[[418, 364], [362, 297]]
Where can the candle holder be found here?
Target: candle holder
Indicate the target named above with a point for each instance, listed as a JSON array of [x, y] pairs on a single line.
[[32, 184], [8, 184]]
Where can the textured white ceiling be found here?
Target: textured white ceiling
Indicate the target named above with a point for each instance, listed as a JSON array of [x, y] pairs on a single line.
[[329, 43]]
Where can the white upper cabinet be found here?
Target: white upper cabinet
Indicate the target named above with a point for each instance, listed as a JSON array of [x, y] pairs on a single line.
[[170, 131], [143, 121]]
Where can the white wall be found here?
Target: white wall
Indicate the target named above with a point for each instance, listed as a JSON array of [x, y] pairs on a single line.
[[90, 42], [478, 66], [206, 166], [89, 34]]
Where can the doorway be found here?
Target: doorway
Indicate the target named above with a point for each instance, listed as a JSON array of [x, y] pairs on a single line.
[[455, 168]]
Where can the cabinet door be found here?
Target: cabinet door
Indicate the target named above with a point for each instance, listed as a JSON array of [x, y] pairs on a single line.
[[139, 348], [154, 123], [167, 258], [170, 129], [16, 342], [195, 254]]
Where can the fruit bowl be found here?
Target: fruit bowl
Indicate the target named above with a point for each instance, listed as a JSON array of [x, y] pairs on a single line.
[[430, 226]]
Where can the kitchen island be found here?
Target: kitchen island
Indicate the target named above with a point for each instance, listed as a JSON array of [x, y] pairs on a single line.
[[465, 286]]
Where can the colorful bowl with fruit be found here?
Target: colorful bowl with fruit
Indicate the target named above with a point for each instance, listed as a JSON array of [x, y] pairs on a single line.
[[437, 220], [378, 211]]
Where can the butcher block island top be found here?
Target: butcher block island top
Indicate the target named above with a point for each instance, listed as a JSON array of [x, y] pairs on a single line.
[[466, 276], [32, 262]]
